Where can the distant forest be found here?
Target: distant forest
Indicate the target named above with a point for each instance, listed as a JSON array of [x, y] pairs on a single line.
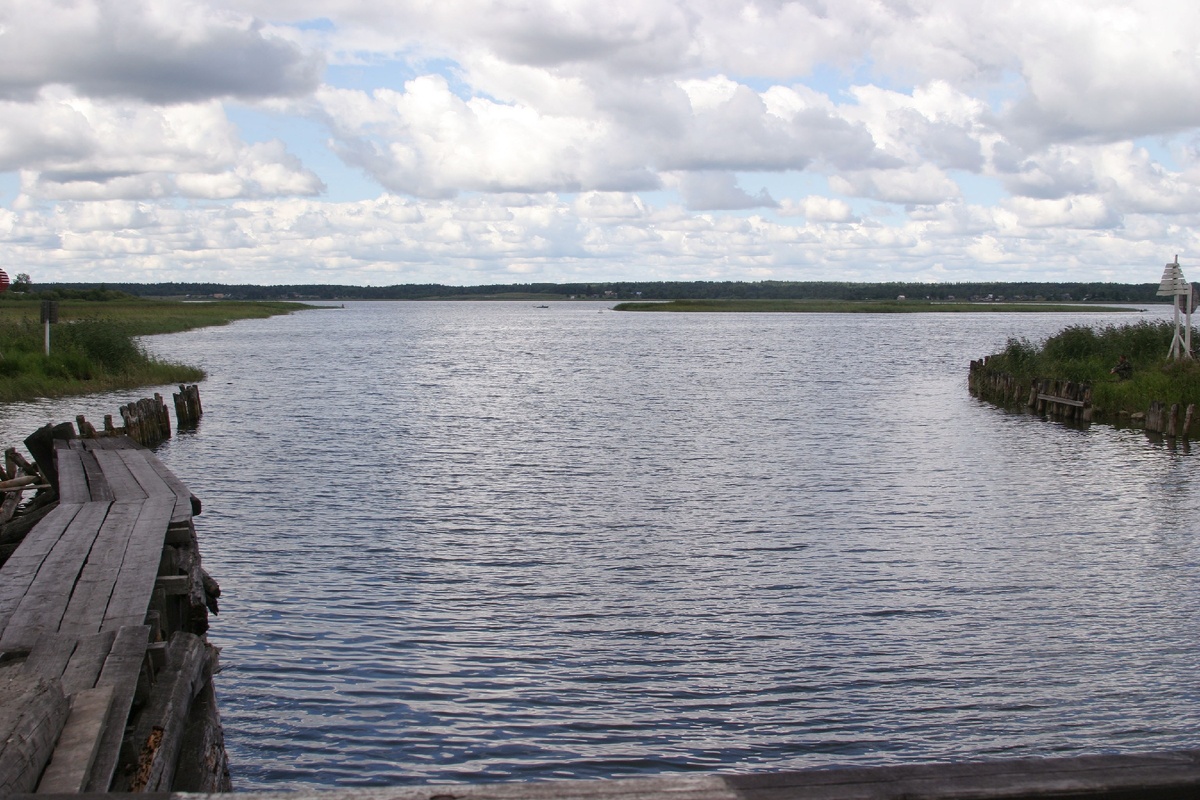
[[632, 290]]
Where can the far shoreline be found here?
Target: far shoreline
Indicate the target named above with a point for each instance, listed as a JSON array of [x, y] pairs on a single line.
[[866, 307]]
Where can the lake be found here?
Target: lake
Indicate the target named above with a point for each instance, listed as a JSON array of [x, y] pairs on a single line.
[[465, 542]]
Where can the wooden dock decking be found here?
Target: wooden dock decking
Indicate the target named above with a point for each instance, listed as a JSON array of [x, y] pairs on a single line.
[[103, 608]]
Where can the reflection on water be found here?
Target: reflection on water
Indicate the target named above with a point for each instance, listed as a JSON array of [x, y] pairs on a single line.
[[464, 542]]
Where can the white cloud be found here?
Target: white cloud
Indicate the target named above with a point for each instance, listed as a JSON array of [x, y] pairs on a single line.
[[1082, 211], [1107, 70], [717, 191], [162, 51], [921, 185], [816, 208], [69, 147]]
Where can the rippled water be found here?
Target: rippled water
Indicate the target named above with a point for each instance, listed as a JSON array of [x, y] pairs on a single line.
[[468, 542]]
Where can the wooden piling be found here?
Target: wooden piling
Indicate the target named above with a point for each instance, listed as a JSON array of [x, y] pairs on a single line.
[[187, 406]]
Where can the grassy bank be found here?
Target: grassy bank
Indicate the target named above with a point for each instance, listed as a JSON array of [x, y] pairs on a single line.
[[93, 349], [1082, 354], [856, 307]]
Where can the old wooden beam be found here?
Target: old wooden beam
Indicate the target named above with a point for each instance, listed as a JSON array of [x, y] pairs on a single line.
[[31, 717]]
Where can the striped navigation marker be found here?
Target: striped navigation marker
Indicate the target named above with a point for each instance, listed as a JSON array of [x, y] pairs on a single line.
[[3, 281]]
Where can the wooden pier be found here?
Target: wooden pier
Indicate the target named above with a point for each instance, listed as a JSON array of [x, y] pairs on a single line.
[[105, 674]]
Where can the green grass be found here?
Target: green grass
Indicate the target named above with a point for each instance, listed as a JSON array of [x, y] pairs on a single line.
[[93, 346], [855, 307], [1082, 354]]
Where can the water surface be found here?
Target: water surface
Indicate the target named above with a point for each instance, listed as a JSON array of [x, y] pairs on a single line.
[[484, 541]]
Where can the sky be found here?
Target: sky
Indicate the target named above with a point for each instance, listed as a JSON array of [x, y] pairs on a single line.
[[380, 142]]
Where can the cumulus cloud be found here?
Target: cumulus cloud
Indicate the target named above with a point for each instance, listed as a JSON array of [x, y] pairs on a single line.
[[67, 147], [921, 185], [160, 51], [718, 191], [1106, 71], [1068, 212], [428, 141], [816, 208]]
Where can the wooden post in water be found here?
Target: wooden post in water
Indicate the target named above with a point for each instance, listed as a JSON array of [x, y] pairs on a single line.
[[187, 405], [1154, 417]]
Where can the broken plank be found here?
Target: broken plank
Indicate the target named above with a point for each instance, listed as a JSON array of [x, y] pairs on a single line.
[[71, 764]]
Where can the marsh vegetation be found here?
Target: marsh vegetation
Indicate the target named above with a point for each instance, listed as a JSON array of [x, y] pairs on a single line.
[[94, 346]]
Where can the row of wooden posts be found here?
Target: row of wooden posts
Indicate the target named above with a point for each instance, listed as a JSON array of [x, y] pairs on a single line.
[[146, 421], [1070, 401]]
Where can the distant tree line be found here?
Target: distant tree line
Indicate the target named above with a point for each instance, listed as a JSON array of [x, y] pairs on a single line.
[[626, 290]]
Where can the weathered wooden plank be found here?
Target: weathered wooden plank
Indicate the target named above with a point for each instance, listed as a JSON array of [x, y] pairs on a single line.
[[124, 486], [71, 763], [121, 670], [1143, 776], [93, 591], [49, 655], [44, 601], [31, 715], [187, 501], [161, 724], [83, 670], [98, 487], [135, 582], [12, 533], [1049, 398], [22, 566], [145, 474], [72, 479]]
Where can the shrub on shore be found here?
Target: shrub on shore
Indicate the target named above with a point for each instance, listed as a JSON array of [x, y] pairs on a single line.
[[1083, 354]]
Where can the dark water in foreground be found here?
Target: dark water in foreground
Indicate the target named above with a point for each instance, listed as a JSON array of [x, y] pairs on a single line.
[[468, 542]]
